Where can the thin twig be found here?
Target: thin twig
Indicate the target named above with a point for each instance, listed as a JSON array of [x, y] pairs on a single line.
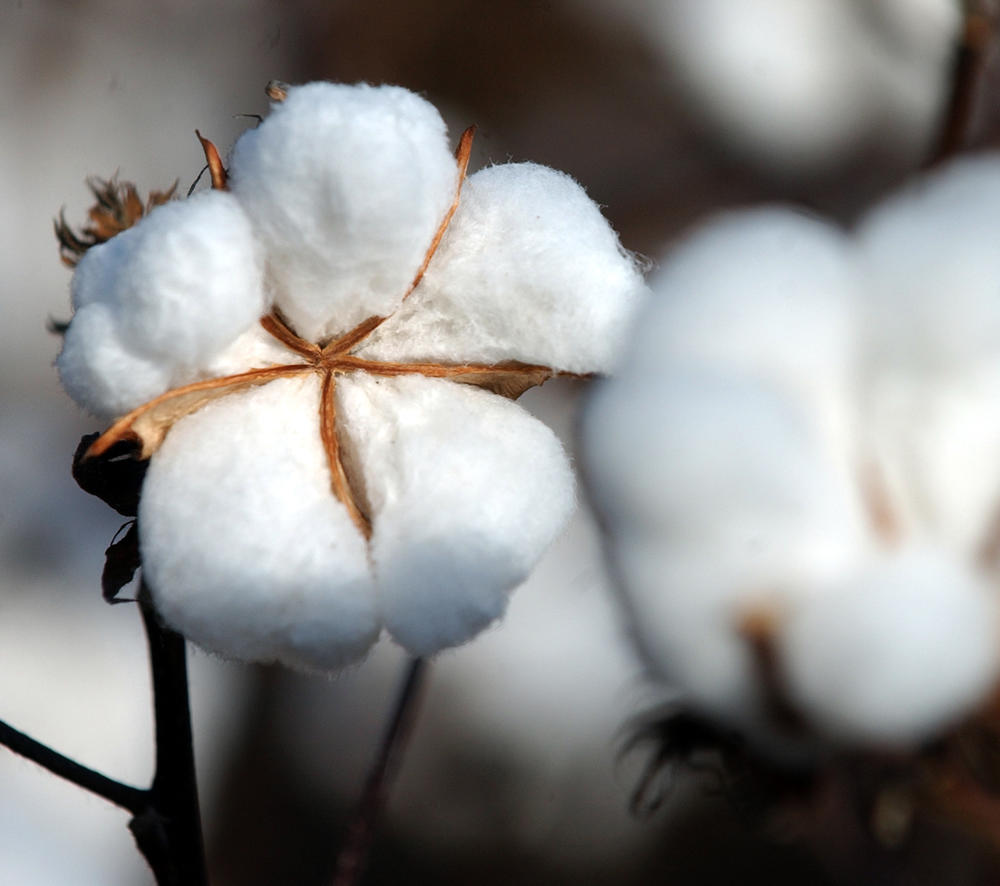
[[353, 855], [131, 798]]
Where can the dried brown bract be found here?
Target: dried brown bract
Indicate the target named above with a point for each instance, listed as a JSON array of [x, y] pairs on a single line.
[[118, 207]]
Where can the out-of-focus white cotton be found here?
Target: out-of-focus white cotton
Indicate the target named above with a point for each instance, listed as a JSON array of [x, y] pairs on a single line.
[[804, 443]]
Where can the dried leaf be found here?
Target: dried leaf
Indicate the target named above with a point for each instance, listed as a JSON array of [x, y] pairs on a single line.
[[118, 207], [121, 560], [115, 478]]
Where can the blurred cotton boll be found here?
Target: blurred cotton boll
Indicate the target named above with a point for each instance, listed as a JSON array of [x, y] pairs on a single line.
[[802, 87], [797, 471]]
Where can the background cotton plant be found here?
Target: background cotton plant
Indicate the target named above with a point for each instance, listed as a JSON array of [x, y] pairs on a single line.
[[322, 346], [797, 468]]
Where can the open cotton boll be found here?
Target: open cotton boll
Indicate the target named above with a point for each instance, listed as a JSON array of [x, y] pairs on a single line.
[[466, 490], [346, 186], [898, 652], [245, 549], [934, 270], [720, 504], [99, 372], [528, 270]]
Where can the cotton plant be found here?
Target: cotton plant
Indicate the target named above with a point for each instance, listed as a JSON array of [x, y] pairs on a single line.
[[307, 375], [318, 357], [797, 469]]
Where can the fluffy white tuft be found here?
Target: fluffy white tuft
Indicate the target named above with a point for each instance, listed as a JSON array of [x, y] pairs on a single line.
[[721, 502], [99, 372], [246, 550], [898, 652], [771, 293], [935, 244], [466, 491], [176, 288], [801, 87], [346, 186], [528, 270]]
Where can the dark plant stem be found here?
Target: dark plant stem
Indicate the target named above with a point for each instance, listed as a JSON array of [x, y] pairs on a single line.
[[169, 834], [362, 826], [126, 796], [166, 822]]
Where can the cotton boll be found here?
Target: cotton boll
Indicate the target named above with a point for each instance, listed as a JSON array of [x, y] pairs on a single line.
[[99, 372], [720, 504], [466, 492], [934, 270], [898, 653], [245, 548], [528, 270], [346, 186]]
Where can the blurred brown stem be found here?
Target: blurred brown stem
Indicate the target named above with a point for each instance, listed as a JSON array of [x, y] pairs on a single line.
[[967, 65], [363, 824]]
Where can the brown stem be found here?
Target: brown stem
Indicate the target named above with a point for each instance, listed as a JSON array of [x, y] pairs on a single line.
[[361, 829], [169, 832]]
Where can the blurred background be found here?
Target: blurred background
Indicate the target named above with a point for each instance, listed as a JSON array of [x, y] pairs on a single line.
[[664, 111]]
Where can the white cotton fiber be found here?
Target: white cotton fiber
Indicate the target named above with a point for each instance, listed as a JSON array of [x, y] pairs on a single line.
[[769, 293], [254, 349], [779, 79], [802, 88], [245, 548], [720, 502], [898, 652], [99, 372], [346, 186], [933, 269], [466, 490], [529, 270], [176, 288]]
